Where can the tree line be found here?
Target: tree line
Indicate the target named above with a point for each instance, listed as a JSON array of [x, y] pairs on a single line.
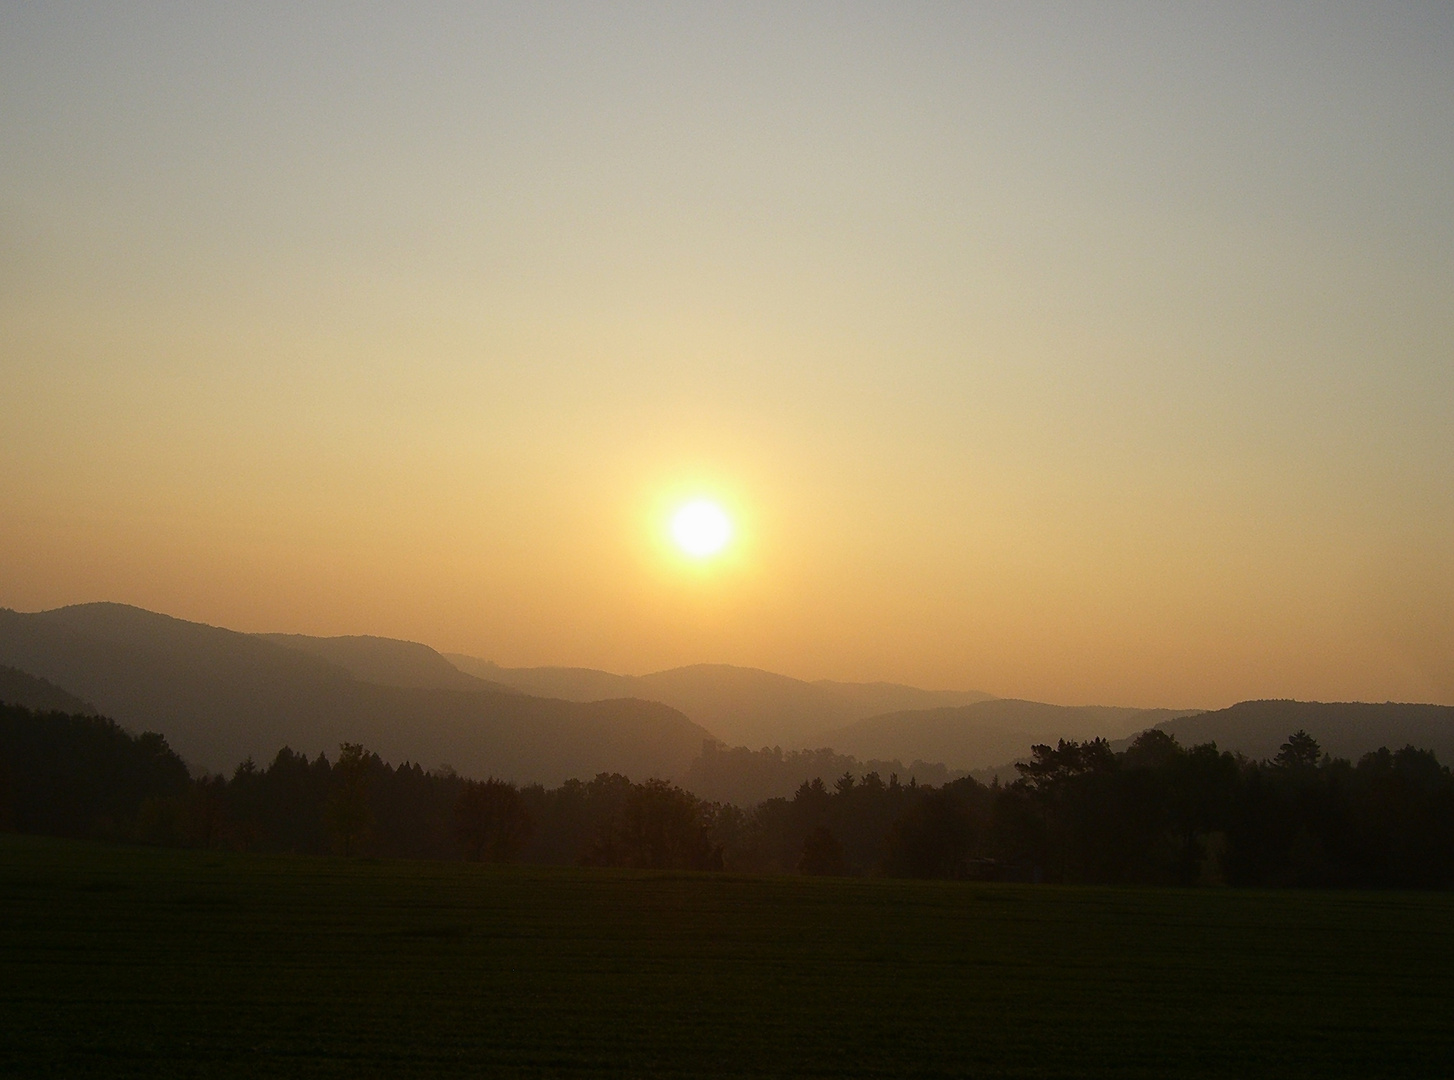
[[747, 777], [1079, 812]]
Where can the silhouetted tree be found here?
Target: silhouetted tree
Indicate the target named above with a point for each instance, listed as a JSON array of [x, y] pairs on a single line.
[[78, 775], [659, 826], [939, 836], [490, 820], [1080, 812], [348, 813], [822, 855], [1048, 768], [1301, 751]]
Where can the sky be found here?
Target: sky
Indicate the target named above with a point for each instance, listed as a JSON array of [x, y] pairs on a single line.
[[1088, 354]]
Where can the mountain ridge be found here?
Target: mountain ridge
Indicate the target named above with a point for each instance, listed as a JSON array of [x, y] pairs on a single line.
[[387, 661], [1345, 729], [745, 706], [39, 695], [221, 696], [984, 734], [1257, 728]]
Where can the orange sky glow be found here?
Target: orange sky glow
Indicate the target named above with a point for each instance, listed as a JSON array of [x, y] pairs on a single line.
[[1088, 357]]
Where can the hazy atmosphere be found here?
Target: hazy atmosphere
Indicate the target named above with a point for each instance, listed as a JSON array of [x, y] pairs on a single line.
[[726, 540], [1079, 356]]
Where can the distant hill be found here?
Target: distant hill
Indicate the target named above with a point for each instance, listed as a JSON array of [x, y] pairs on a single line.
[[987, 733], [39, 695], [742, 706], [878, 698], [388, 662], [220, 696], [1257, 729], [1344, 729], [566, 683]]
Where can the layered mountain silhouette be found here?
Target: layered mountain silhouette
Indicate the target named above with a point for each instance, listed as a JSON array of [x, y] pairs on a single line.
[[743, 706], [987, 733], [987, 737], [1343, 729], [1257, 730], [220, 696], [391, 662], [39, 695]]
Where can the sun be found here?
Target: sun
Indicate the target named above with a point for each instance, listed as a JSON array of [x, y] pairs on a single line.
[[701, 528]]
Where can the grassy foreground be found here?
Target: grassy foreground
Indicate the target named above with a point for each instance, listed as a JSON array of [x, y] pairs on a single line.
[[138, 962]]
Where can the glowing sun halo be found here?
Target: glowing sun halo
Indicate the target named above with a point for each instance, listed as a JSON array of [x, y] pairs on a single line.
[[701, 528]]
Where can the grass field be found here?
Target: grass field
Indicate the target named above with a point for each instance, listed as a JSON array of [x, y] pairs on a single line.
[[137, 962]]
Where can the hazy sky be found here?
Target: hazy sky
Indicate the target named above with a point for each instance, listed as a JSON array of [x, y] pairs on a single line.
[[1082, 354]]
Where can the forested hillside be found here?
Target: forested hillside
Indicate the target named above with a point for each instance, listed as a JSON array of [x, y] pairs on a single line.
[[220, 697], [986, 733], [1344, 729], [19, 688], [1154, 813]]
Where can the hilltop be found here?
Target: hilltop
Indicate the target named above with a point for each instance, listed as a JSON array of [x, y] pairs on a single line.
[[744, 706], [220, 697]]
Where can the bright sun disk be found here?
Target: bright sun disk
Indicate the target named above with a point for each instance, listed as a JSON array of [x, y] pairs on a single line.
[[701, 528]]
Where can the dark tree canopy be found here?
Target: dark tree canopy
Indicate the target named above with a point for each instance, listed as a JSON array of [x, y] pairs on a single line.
[[491, 821], [79, 775], [822, 855], [1155, 813], [1301, 751], [657, 826]]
